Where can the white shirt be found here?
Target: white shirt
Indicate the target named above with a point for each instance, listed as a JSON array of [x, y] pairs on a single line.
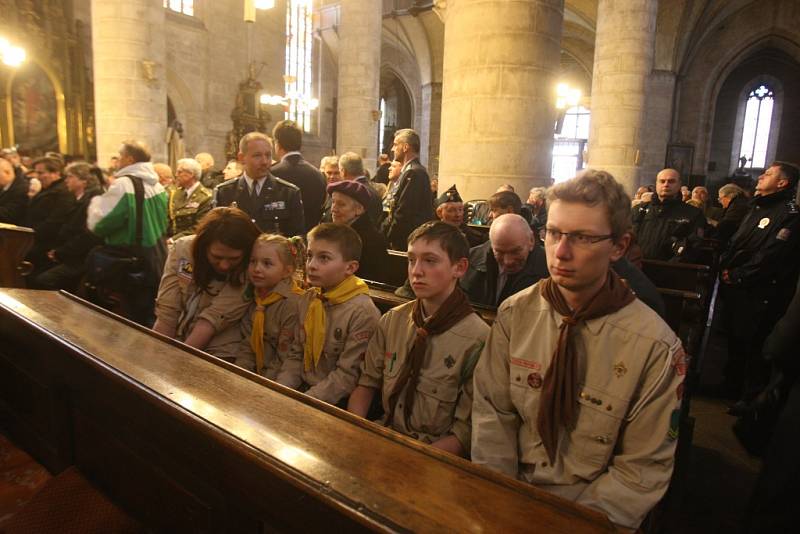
[[192, 189], [251, 182]]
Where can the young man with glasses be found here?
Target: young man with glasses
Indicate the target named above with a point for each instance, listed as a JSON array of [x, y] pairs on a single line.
[[578, 389]]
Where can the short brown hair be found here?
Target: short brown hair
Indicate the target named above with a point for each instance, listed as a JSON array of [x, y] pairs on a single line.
[[345, 238], [592, 188], [252, 136], [504, 200], [233, 228], [448, 236], [289, 135], [138, 150], [83, 172], [51, 164]]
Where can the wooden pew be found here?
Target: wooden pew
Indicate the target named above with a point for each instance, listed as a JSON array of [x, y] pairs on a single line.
[[384, 298], [396, 271], [15, 242], [185, 442], [680, 276]]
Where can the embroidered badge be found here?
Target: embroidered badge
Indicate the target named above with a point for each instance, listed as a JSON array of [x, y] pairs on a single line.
[[763, 223], [674, 424], [279, 205], [535, 380], [361, 336], [784, 234], [620, 369], [193, 205], [536, 366], [391, 363], [680, 362], [449, 361]]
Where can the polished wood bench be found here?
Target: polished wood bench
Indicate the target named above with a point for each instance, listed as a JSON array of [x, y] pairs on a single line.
[[384, 298], [183, 441], [15, 243]]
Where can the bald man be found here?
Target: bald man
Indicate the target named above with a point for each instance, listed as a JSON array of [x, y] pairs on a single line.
[[506, 264], [666, 227]]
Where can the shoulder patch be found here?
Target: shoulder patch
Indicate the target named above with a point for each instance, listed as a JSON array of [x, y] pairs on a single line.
[[784, 234]]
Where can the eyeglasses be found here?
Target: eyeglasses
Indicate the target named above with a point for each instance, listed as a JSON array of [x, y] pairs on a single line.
[[574, 238]]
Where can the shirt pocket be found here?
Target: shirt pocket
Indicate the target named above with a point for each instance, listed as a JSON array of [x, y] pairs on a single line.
[[434, 407], [597, 425]]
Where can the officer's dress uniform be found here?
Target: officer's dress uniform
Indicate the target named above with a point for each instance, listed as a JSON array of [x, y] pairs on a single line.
[[180, 303], [283, 353], [275, 206], [667, 229], [412, 204], [618, 457], [762, 263], [186, 208], [348, 327], [443, 401]]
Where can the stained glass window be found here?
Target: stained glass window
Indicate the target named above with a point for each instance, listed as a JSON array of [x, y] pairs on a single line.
[[299, 45], [180, 6], [756, 128]]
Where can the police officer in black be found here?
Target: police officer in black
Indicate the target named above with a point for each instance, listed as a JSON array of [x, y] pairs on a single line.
[[759, 273], [667, 228], [274, 204]]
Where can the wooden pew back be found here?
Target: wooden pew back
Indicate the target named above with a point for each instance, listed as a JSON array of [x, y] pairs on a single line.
[[15, 242], [186, 442]]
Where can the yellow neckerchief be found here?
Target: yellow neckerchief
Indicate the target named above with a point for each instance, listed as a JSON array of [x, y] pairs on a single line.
[[314, 324], [257, 336]]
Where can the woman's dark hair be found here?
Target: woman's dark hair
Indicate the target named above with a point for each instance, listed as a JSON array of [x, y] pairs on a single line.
[[231, 227]]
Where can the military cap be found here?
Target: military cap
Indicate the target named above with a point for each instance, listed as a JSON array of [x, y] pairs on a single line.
[[451, 195]]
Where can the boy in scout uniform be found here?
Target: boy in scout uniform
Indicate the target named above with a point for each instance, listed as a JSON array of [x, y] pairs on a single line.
[[189, 201], [578, 389], [424, 352], [337, 313]]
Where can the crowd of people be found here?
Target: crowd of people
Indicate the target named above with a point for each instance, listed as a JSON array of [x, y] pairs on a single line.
[[575, 387]]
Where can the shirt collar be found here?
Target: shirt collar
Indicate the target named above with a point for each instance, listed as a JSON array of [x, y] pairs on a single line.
[[293, 153], [192, 189]]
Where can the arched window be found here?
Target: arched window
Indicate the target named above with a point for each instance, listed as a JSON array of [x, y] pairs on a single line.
[[572, 134], [757, 125], [299, 45], [180, 6]]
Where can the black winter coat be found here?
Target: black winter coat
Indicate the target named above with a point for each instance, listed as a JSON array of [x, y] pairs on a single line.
[[413, 205], [667, 229], [75, 239], [374, 256], [732, 217], [14, 202], [295, 170], [47, 213]]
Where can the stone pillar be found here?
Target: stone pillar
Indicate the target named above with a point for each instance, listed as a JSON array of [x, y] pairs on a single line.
[[658, 124], [623, 60], [431, 126], [357, 123], [130, 91], [498, 103]]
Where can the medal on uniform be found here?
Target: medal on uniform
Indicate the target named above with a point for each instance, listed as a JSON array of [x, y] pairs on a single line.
[[449, 361], [535, 380], [763, 223]]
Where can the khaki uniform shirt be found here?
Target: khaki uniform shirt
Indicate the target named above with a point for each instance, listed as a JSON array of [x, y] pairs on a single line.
[[348, 327], [185, 213], [618, 457], [283, 354], [180, 304], [443, 401]]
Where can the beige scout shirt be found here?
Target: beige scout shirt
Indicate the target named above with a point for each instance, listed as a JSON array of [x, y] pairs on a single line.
[[283, 354], [618, 458], [443, 402], [180, 304], [348, 327]]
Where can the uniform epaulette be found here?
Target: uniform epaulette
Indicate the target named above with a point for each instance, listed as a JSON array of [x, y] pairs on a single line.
[[228, 183], [285, 183]]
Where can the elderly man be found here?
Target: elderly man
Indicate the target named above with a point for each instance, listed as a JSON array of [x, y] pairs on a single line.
[[759, 272], [351, 167], [330, 170], [13, 194], [506, 264], [165, 176], [667, 228], [412, 201], [275, 205], [209, 178], [450, 210], [537, 207], [735, 206], [189, 202], [349, 204], [288, 139], [578, 389]]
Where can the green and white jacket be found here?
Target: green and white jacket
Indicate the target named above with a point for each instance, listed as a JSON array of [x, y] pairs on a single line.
[[112, 215]]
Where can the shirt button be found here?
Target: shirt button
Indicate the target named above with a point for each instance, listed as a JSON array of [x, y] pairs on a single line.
[[517, 379], [544, 464]]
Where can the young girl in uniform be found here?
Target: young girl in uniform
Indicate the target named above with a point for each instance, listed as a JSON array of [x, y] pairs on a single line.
[[270, 343]]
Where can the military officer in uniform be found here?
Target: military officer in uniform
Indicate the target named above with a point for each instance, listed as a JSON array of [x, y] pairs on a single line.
[[758, 273], [189, 201], [273, 204]]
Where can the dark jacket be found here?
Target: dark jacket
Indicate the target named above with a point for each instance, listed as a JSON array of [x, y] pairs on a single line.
[[382, 174], [645, 290], [211, 178], [668, 229], [47, 212], [480, 281], [277, 209], [781, 345], [374, 256], [732, 217], [76, 240], [375, 208], [295, 170], [14, 202], [413, 205]]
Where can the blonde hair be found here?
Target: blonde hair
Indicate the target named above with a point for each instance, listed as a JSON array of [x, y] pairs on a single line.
[[593, 188], [291, 251]]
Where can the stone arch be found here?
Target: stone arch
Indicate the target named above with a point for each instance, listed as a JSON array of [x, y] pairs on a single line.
[[400, 109]]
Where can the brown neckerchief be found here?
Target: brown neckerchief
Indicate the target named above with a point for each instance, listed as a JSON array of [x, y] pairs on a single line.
[[452, 310], [560, 388]]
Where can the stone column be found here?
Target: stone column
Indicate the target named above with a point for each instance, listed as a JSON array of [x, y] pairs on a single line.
[[357, 123], [498, 103], [431, 126], [130, 91], [658, 121], [623, 60]]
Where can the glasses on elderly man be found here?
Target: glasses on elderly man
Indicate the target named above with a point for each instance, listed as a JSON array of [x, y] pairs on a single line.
[[574, 238]]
